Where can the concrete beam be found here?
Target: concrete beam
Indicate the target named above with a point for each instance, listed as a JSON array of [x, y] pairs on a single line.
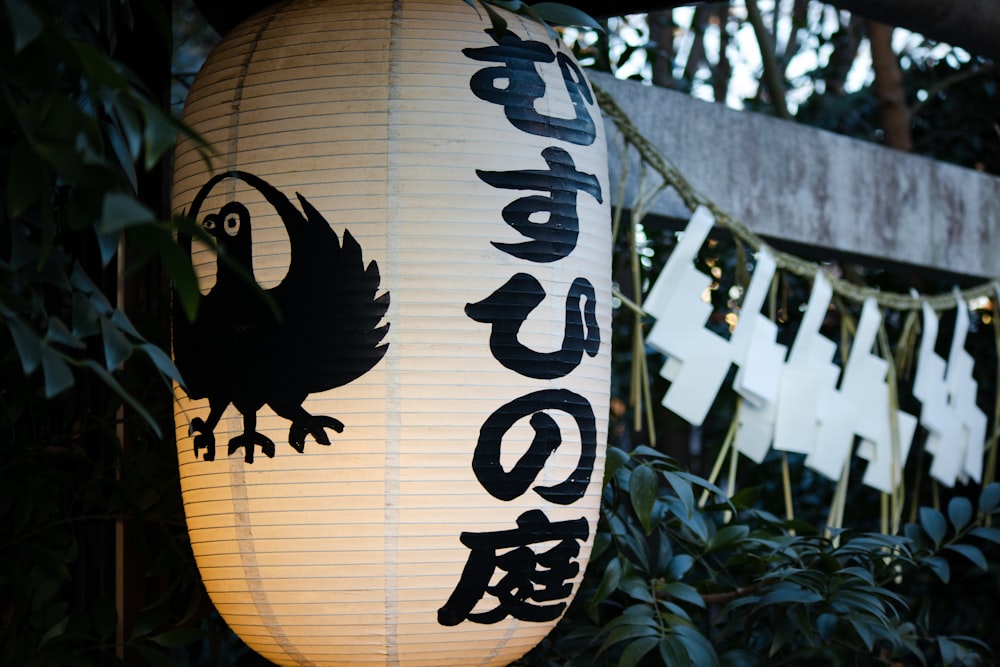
[[814, 187]]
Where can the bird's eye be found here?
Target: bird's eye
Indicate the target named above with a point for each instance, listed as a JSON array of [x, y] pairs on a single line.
[[232, 224]]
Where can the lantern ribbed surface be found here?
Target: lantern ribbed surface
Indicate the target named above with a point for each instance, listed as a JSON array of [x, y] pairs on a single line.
[[450, 519]]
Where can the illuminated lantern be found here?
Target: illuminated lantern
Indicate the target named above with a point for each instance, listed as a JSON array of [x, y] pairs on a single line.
[[391, 451]]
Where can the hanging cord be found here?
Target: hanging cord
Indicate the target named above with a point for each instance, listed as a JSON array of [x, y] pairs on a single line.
[[693, 199], [892, 504], [894, 508]]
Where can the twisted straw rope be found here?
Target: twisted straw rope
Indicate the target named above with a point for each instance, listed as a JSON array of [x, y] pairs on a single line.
[[693, 199]]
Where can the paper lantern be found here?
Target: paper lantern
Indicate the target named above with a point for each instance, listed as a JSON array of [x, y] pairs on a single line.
[[423, 203]]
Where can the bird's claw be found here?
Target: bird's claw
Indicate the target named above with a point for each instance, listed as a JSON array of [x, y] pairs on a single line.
[[204, 440], [247, 442], [312, 426]]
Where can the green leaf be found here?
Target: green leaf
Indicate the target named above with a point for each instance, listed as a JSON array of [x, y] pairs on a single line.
[[697, 646], [160, 135], [54, 631], [26, 24], [694, 522], [59, 333], [58, 376], [121, 320], [609, 582], [117, 348], [783, 631], [129, 127], [645, 451], [637, 588], [915, 534], [107, 243], [989, 499], [636, 650], [934, 524], [726, 536], [970, 552], [683, 592], [86, 320], [682, 487], [162, 362], [987, 533], [949, 650], [510, 5], [960, 512], [864, 632], [557, 13], [678, 567], [672, 652], [154, 658], [746, 497], [631, 626], [498, 22], [734, 657], [159, 240], [26, 341], [601, 543], [644, 486], [122, 210], [939, 566], [826, 624], [614, 459], [105, 618], [121, 151], [178, 637], [125, 396], [790, 594], [82, 282]]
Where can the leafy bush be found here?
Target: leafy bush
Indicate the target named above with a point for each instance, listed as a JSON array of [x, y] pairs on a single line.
[[673, 581]]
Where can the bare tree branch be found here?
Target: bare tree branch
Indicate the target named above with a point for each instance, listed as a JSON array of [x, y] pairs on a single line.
[[970, 24], [696, 55], [794, 43], [774, 77], [948, 81]]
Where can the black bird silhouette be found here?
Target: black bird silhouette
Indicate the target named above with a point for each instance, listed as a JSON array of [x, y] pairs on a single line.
[[320, 331]]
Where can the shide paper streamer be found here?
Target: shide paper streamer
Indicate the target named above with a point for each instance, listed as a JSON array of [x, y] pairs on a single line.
[[800, 400]]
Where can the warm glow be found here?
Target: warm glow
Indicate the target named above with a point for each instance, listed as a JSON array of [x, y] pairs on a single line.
[[387, 177]]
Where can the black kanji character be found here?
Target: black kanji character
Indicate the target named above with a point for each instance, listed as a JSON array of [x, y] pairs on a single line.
[[508, 308], [507, 485], [530, 578], [523, 85], [556, 237]]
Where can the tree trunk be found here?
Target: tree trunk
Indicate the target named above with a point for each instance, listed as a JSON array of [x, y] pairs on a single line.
[[889, 87], [722, 71]]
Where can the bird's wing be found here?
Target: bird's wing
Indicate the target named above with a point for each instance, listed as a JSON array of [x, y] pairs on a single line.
[[331, 303]]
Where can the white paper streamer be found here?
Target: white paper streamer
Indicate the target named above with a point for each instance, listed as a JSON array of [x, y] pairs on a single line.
[[797, 405]]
